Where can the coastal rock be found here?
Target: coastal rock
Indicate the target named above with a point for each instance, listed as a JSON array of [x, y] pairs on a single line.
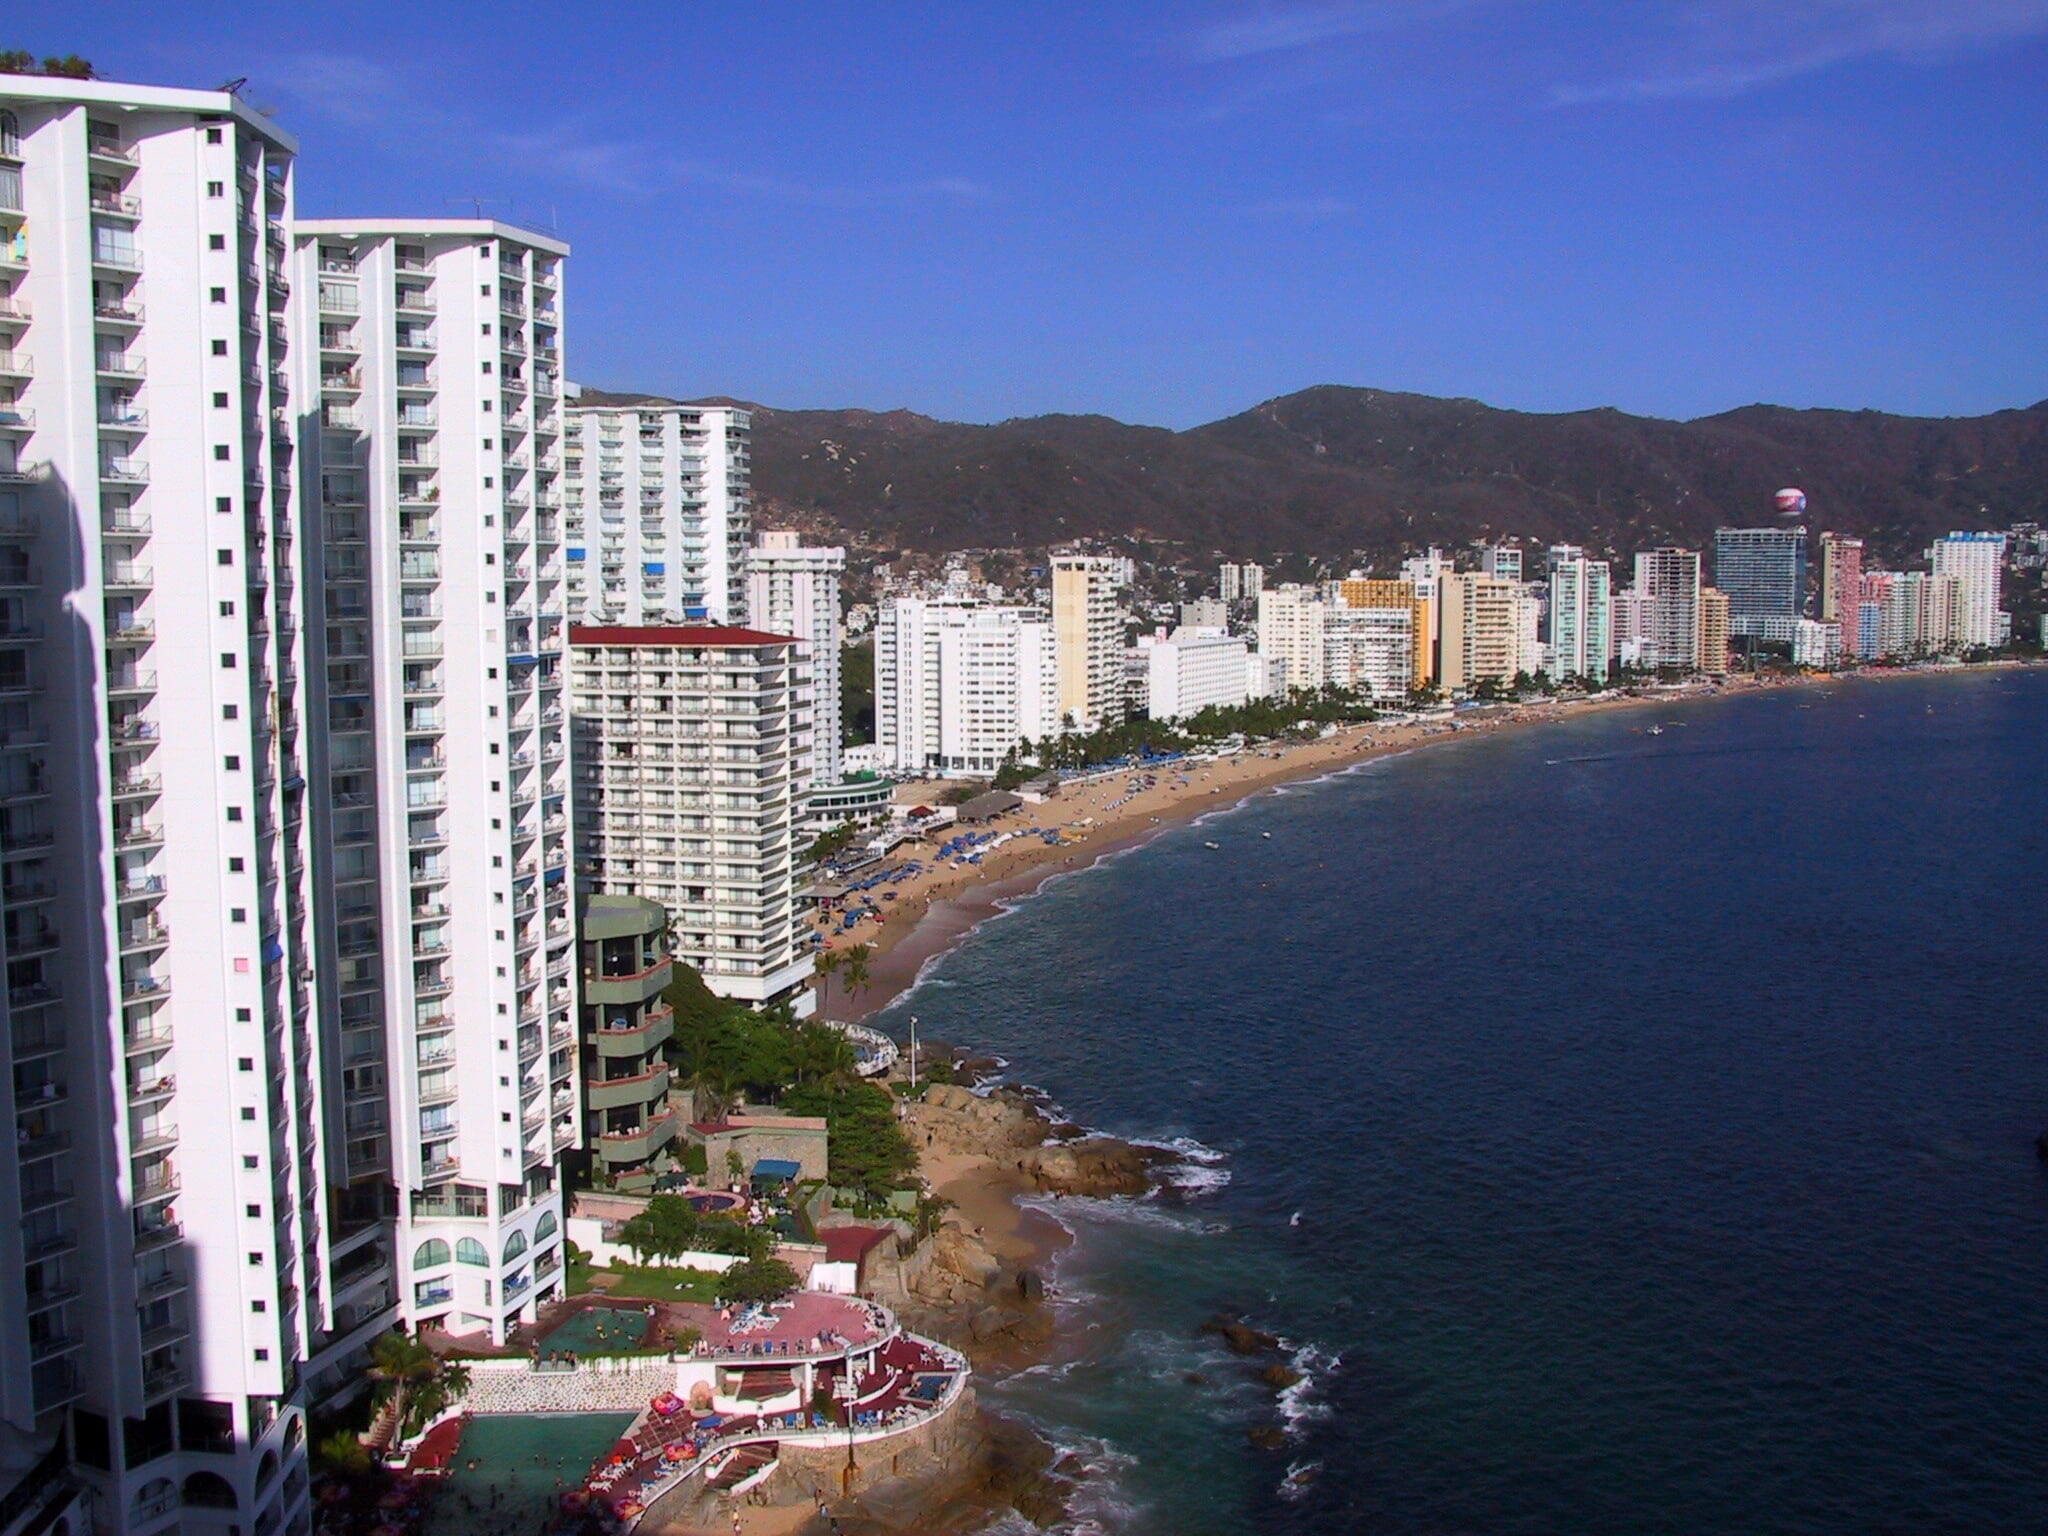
[[1095, 1167], [960, 1253], [1238, 1336], [1267, 1437], [1280, 1377], [1030, 1285]]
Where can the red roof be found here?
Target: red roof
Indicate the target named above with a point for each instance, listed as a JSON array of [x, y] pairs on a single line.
[[847, 1245], [698, 635]]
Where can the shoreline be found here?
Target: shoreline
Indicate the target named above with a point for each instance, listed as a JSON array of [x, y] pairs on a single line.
[[994, 1198], [941, 909]]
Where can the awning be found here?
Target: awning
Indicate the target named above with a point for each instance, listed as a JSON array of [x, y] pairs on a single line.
[[780, 1168]]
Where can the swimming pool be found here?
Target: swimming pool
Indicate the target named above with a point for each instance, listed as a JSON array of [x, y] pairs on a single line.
[[526, 1460], [598, 1329]]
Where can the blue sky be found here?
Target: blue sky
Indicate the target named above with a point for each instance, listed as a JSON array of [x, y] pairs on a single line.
[[1170, 212]]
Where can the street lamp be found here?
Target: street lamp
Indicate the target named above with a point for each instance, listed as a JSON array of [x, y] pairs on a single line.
[[849, 1389], [913, 1053]]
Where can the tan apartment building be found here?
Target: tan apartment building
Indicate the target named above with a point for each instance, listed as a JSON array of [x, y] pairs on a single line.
[[1713, 632], [1481, 629], [1088, 640]]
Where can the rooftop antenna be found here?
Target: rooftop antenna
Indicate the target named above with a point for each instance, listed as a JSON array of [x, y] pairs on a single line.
[[476, 202], [234, 86]]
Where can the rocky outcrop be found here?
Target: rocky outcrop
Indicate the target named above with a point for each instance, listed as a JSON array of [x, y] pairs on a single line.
[[1097, 1166], [951, 1119]]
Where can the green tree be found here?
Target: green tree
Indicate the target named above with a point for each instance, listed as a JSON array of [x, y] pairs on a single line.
[[825, 967], [417, 1380], [857, 970], [756, 1279], [867, 1150]]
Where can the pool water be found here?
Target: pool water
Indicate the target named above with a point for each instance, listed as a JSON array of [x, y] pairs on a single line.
[[624, 1328], [505, 1446]]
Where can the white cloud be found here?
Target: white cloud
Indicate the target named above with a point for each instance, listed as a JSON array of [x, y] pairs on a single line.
[[373, 99], [1724, 48], [1285, 29]]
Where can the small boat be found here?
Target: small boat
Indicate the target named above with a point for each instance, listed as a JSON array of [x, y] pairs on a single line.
[[1212, 845], [1656, 730], [1267, 836]]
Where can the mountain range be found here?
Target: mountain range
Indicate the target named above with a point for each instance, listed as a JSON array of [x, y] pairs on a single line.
[[1335, 472]]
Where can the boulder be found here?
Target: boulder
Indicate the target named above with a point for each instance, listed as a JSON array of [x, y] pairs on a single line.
[[1279, 1377], [1098, 1166], [1238, 1336], [1267, 1437]]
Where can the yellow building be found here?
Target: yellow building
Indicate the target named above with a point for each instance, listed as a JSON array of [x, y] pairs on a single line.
[[1087, 640], [1364, 592], [1713, 632]]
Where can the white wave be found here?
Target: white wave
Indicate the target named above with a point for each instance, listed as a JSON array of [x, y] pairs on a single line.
[[1301, 1404], [1191, 1179], [1301, 1476], [1142, 1211]]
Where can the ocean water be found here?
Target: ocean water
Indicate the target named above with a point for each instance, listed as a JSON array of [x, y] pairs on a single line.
[[1624, 1133]]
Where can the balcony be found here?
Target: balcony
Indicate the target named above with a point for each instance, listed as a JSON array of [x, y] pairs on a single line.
[[112, 151]]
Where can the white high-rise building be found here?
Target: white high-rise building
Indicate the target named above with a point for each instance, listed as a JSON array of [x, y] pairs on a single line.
[[1291, 633], [657, 509], [689, 779], [1192, 670], [1502, 560], [1581, 628], [443, 766], [1918, 616], [794, 590], [958, 685], [1088, 640], [1668, 586], [1370, 649], [1241, 583], [1977, 561], [167, 1235]]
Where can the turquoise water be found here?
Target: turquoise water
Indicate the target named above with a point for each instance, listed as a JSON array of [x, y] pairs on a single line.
[[1624, 1133], [527, 1460], [623, 1327]]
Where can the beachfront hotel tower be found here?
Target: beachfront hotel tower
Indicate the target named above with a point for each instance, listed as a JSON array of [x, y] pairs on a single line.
[[166, 1238], [1713, 632], [657, 499], [1290, 630], [1976, 561], [1581, 630], [1481, 636], [958, 685], [1841, 586], [442, 774], [793, 589], [1088, 640], [1666, 608], [689, 792], [1763, 573]]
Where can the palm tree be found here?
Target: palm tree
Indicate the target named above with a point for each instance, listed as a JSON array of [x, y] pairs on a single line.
[[405, 1366], [827, 965], [854, 967]]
